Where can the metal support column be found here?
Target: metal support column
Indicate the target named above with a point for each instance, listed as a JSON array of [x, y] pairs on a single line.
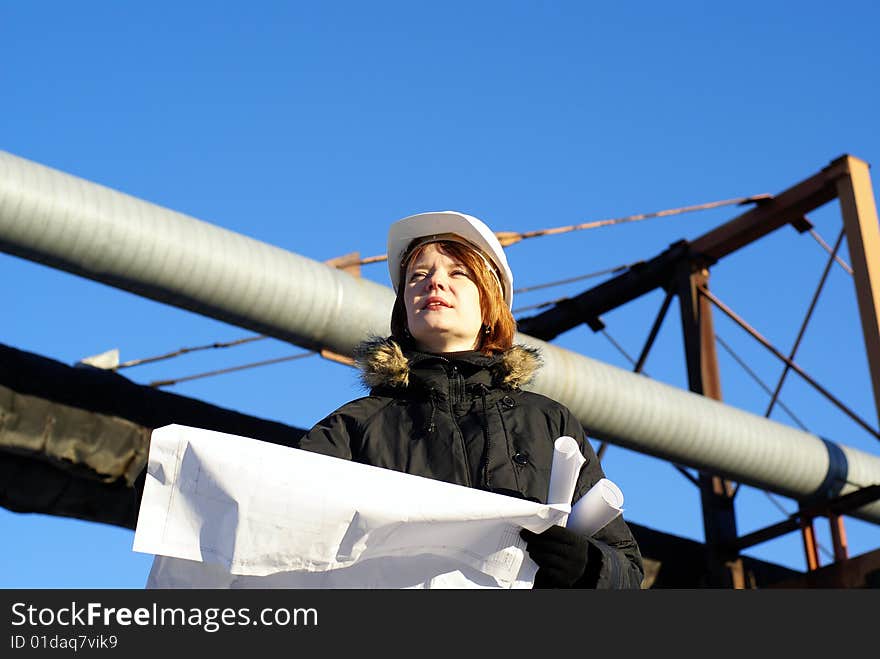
[[724, 569], [838, 537], [863, 239], [811, 547]]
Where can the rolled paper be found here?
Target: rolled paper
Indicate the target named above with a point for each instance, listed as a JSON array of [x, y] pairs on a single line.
[[601, 504], [567, 463]]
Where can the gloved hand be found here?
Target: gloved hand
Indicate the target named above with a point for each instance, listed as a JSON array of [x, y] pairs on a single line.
[[561, 555]]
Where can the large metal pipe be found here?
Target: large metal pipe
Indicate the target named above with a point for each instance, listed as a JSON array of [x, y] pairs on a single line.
[[74, 225]]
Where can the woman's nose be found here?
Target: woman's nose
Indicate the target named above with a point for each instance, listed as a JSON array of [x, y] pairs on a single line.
[[436, 280]]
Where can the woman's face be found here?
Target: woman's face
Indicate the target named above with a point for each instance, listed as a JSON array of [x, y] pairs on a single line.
[[442, 302]]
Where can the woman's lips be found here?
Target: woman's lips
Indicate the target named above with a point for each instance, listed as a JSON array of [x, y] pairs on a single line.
[[436, 303]]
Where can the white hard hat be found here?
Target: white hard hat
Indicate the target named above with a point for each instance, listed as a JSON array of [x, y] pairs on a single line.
[[444, 225]]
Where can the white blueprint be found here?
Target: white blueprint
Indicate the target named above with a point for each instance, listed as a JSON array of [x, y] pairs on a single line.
[[223, 511]]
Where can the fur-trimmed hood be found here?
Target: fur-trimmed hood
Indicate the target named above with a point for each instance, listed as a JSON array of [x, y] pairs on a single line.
[[383, 363]]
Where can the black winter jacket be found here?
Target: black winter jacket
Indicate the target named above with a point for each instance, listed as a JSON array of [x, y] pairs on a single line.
[[463, 418]]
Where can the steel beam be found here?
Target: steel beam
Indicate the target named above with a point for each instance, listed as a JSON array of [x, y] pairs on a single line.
[[641, 278], [716, 496], [788, 207], [863, 239], [831, 509]]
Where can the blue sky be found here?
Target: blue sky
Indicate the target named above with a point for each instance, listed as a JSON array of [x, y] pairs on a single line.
[[313, 126]]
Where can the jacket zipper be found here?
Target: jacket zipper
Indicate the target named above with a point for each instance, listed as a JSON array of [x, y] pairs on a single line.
[[454, 382]]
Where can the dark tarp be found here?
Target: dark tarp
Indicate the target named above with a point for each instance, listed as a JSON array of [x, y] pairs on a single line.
[[74, 440]]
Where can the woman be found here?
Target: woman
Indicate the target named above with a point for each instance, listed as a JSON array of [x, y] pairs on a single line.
[[446, 400]]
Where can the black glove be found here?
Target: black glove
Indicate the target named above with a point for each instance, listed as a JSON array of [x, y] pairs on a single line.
[[561, 556]]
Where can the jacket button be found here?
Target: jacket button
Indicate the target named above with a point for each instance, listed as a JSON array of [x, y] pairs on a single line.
[[508, 402], [521, 459]]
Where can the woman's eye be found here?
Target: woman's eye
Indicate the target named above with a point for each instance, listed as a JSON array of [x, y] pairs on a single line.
[[461, 273], [416, 276]]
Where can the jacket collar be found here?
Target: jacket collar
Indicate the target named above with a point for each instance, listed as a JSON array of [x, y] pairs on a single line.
[[385, 364]]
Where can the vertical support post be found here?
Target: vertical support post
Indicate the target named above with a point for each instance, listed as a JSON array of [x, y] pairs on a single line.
[[811, 548], [838, 537], [716, 494], [863, 239]]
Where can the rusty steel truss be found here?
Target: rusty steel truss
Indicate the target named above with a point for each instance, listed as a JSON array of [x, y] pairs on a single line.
[[683, 271]]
